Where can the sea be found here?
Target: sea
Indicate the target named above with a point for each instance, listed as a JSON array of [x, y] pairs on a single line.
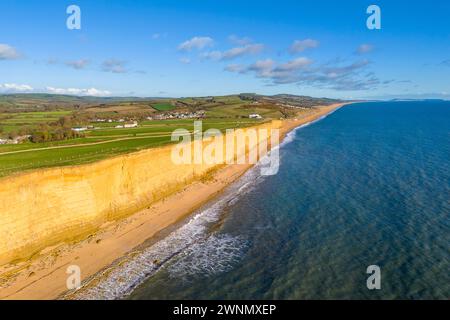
[[368, 185]]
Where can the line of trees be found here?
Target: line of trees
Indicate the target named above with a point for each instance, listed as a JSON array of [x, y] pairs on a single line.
[[56, 131], [46, 134], [15, 133]]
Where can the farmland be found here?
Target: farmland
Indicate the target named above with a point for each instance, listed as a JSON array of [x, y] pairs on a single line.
[[15, 121], [163, 106], [98, 144], [102, 139]]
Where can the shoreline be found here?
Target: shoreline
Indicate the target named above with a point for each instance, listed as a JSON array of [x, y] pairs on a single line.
[[45, 276]]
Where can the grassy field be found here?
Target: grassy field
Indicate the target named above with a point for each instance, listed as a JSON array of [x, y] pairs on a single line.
[[241, 111], [28, 111], [163, 106], [11, 163], [14, 121], [100, 144]]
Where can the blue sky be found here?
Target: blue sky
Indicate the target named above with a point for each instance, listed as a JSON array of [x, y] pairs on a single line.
[[199, 48]]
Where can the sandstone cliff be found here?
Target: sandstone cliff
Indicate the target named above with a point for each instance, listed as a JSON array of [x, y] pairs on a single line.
[[46, 207]]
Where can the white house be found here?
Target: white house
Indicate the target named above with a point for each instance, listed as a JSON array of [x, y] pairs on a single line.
[[254, 116], [78, 129], [131, 125]]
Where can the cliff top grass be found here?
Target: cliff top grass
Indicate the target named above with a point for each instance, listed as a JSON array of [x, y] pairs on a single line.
[[19, 113], [97, 145]]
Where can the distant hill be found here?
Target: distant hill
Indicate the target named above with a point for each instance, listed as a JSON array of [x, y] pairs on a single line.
[[289, 99], [44, 101]]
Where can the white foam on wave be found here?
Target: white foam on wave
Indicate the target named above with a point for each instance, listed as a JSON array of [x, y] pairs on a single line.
[[215, 254], [190, 249]]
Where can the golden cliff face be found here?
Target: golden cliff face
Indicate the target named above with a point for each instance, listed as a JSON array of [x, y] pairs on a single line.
[[47, 207]]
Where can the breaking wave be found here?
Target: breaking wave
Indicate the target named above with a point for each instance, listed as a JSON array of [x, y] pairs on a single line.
[[189, 250], [215, 254]]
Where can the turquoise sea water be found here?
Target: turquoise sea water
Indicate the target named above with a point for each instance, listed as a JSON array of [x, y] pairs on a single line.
[[367, 185]]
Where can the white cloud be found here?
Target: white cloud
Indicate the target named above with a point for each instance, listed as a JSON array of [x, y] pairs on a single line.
[[239, 41], [235, 68], [213, 55], [269, 69], [185, 60], [302, 45], [294, 64], [114, 66], [234, 52], [24, 88], [15, 88], [196, 43], [262, 68], [301, 71], [7, 52], [78, 64], [240, 51], [79, 92], [364, 48]]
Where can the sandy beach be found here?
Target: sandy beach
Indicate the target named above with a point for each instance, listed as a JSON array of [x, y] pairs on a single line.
[[44, 276]]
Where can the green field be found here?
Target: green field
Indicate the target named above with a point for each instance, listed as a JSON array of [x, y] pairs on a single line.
[[242, 111], [163, 106], [100, 144], [14, 121], [28, 111]]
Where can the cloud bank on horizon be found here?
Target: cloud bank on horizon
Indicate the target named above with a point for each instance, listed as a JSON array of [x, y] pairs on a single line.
[[318, 50]]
